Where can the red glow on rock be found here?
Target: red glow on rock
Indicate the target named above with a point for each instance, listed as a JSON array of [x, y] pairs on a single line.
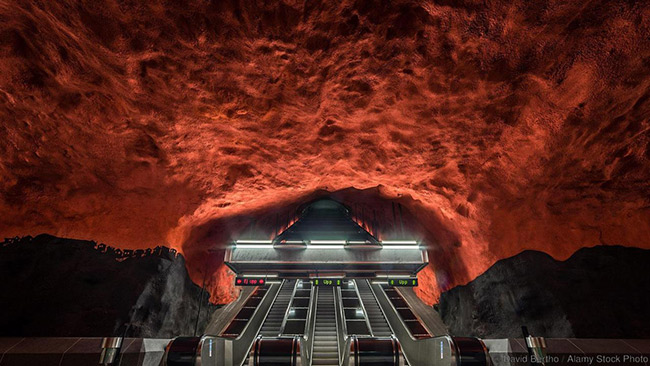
[[497, 126]]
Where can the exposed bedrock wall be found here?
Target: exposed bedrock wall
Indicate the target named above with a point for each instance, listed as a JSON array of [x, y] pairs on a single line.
[[498, 126], [460, 246], [598, 292], [57, 287]]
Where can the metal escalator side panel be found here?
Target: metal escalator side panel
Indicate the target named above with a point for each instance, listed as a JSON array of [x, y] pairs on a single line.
[[271, 325], [415, 325], [240, 347], [415, 352], [433, 325], [239, 326], [231, 312], [325, 346], [310, 324], [273, 305], [286, 313], [232, 351], [311, 332], [363, 308], [370, 306], [437, 351], [341, 326]]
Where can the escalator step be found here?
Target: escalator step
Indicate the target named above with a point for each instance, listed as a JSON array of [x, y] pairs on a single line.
[[331, 351]]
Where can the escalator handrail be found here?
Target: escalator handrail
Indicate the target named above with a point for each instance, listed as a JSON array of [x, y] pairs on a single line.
[[379, 305], [435, 351], [260, 308], [363, 307], [341, 328], [235, 308], [424, 325], [286, 313], [243, 343], [385, 298], [312, 324], [308, 337], [311, 313], [396, 324]]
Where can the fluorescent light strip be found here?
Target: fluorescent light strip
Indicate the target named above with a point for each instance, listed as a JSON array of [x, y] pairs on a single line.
[[265, 275], [254, 246], [357, 242], [293, 242], [269, 246], [320, 242], [257, 241], [402, 247], [393, 242]]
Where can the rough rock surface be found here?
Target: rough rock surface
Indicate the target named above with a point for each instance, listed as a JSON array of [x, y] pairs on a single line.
[[56, 287], [599, 292], [499, 126]]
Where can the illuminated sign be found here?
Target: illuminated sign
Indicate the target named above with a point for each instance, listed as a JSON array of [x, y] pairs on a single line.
[[327, 281], [410, 282], [250, 281]]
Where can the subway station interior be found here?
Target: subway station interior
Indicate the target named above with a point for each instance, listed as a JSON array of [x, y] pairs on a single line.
[[326, 292], [320, 182]]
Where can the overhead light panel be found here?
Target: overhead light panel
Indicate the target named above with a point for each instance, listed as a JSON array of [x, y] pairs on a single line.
[[411, 247], [399, 242], [254, 246], [327, 242]]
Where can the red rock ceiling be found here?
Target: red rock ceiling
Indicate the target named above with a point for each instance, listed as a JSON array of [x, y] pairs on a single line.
[[499, 126]]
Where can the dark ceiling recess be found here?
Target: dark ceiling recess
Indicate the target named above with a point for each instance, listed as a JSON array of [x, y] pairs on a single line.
[[326, 219]]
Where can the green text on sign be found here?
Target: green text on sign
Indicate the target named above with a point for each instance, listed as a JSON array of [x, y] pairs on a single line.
[[407, 282], [327, 282]]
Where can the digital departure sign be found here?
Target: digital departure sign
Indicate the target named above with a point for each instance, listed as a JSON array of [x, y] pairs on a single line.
[[250, 281], [408, 282], [327, 281]]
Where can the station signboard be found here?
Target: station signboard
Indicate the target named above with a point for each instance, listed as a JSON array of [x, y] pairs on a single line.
[[406, 282], [327, 281], [250, 281]]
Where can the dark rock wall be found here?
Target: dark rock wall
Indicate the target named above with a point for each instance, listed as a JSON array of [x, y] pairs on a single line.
[[599, 292], [62, 287]]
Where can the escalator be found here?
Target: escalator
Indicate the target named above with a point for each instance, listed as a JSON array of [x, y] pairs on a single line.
[[273, 323], [325, 349], [378, 324], [295, 323]]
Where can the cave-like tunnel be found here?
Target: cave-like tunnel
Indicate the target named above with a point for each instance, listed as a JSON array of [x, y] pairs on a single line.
[[140, 140]]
